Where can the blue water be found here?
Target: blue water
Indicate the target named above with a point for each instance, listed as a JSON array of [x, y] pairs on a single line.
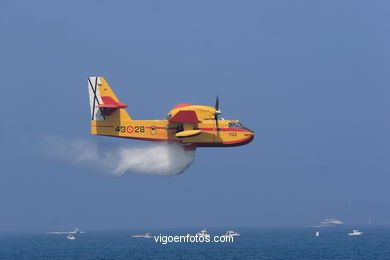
[[256, 243]]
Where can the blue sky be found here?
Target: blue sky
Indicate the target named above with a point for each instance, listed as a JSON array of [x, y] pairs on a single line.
[[309, 77]]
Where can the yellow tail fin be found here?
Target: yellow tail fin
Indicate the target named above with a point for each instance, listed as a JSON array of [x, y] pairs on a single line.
[[104, 104]]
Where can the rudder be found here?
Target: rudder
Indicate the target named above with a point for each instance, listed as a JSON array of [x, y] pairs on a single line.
[[104, 104]]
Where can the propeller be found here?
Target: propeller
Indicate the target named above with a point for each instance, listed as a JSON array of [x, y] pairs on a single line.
[[217, 112]]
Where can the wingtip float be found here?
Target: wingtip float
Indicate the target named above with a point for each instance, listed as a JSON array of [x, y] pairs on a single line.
[[191, 125]]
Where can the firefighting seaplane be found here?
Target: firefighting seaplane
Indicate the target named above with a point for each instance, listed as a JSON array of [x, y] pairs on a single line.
[[191, 125]]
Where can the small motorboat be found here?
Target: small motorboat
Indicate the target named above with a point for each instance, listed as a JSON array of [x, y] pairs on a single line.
[[203, 233], [146, 235], [70, 237], [231, 233], [355, 232]]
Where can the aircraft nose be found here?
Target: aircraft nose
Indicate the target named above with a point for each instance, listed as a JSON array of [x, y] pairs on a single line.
[[249, 132], [250, 136]]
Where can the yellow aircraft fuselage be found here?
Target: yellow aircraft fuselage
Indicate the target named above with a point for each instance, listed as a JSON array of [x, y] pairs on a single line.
[[192, 125]]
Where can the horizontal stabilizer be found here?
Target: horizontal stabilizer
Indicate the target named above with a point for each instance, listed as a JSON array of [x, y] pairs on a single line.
[[188, 133], [185, 116], [109, 102]]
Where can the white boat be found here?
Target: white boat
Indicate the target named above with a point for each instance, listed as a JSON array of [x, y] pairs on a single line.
[[75, 231], [146, 235], [231, 233], [330, 222], [317, 234], [70, 237], [355, 232], [203, 233]]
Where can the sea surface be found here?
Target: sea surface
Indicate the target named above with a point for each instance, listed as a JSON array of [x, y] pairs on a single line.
[[254, 243]]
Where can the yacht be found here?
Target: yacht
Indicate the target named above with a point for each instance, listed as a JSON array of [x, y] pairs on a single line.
[[330, 222], [70, 236], [355, 232], [317, 234], [202, 233], [231, 233], [146, 235], [75, 231]]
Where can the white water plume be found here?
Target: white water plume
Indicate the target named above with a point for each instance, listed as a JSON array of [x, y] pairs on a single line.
[[155, 158]]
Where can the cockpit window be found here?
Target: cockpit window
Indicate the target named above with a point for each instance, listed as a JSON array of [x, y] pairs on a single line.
[[234, 125]]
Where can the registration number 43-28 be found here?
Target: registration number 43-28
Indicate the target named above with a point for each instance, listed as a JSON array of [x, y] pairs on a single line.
[[130, 129]]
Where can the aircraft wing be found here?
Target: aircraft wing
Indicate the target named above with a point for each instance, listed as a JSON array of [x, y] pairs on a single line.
[[57, 232], [185, 116]]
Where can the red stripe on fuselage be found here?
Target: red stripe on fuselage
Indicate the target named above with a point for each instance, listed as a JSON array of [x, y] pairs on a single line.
[[226, 129], [206, 129], [161, 127]]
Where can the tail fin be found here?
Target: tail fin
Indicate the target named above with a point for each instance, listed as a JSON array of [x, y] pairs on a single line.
[[103, 102]]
